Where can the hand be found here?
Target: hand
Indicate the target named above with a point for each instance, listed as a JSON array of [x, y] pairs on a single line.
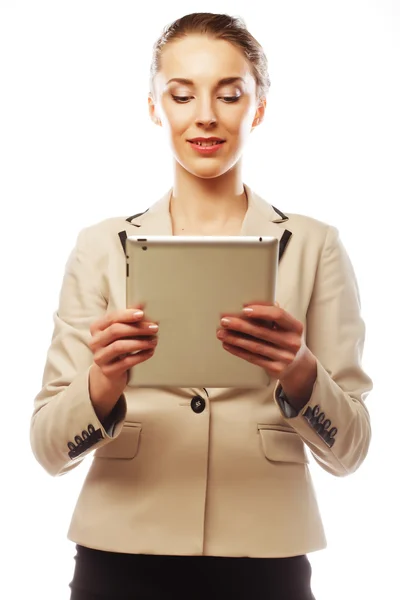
[[268, 336], [114, 338]]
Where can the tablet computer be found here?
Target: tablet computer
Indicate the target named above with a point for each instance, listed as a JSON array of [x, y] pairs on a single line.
[[185, 283]]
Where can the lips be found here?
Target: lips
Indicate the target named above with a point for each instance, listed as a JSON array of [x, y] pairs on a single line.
[[206, 147], [207, 144]]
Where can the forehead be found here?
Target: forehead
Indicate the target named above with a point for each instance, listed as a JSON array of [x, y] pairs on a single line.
[[201, 58]]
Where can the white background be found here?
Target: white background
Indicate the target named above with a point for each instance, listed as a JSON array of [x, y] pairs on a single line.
[[77, 146]]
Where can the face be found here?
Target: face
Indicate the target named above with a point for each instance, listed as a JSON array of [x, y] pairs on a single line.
[[205, 88]]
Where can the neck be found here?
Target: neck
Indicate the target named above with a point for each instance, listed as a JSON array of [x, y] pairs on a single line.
[[202, 202]]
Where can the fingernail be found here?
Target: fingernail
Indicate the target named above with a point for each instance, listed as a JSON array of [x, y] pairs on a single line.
[[225, 321], [138, 313], [153, 327], [248, 311]]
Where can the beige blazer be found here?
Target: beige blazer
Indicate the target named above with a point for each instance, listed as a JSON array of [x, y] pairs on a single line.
[[220, 472]]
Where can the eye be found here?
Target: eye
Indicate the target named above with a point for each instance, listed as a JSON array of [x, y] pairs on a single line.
[[230, 99], [185, 99], [181, 99]]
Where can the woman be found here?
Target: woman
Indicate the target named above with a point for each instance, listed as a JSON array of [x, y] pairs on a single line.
[[204, 493]]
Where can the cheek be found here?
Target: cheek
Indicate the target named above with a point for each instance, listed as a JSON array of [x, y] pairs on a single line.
[[247, 123], [177, 121], [239, 119]]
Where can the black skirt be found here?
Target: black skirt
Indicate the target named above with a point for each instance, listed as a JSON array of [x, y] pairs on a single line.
[[102, 575]]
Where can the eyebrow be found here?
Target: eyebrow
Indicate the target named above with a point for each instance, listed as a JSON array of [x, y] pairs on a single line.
[[225, 81]]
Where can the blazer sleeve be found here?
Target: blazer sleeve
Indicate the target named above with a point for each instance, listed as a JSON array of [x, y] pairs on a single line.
[[335, 423], [64, 425]]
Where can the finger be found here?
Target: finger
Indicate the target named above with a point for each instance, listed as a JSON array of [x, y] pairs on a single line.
[[126, 362], [258, 347], [122, 330], [262, 303], [255, 327], [273, 368], [122, 347], [274, 314], [260, 330], [131, 315]]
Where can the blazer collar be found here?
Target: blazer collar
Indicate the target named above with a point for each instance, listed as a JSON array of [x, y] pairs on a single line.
[[261, 218]]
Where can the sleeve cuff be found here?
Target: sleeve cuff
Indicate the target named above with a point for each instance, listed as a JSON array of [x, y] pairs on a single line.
[[287, 409], [116, 416]]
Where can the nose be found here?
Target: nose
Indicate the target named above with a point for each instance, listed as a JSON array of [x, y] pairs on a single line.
[[206, 121], [206, 116]]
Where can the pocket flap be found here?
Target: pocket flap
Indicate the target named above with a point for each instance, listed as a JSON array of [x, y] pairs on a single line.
[[282, 446], [125, 445]]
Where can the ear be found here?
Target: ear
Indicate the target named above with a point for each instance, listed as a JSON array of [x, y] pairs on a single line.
[[152, 110], [260, 112]]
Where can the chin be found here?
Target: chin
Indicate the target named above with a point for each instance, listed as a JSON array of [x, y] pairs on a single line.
[[208, 172], [207, 168]]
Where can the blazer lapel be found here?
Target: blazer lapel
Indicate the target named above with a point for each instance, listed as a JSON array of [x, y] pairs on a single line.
[[265, 220], [156, 220], [261, 219]]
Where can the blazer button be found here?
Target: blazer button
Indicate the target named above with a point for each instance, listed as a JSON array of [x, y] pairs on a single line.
[[198, 404]]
